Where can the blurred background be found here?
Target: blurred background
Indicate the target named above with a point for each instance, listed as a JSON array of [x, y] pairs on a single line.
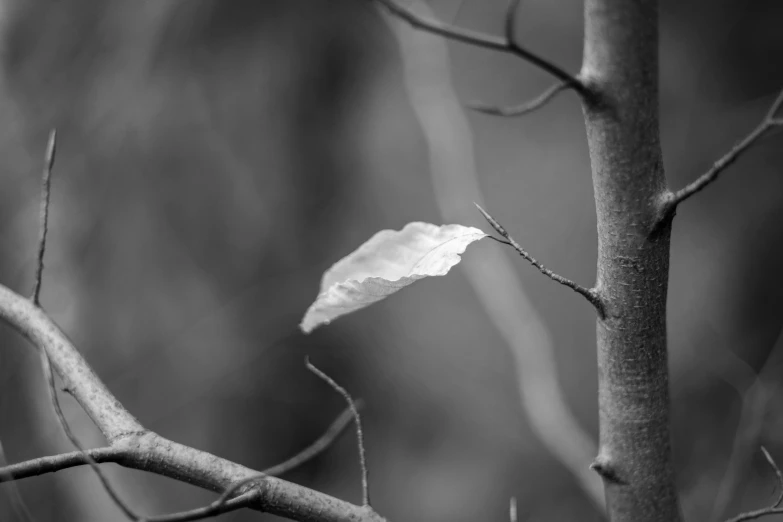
[[215, 157]]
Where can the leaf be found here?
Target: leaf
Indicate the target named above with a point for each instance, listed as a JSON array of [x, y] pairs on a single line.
[[388, 262]]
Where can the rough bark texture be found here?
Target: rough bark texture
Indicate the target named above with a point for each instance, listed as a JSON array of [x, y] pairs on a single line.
[[621, 68]]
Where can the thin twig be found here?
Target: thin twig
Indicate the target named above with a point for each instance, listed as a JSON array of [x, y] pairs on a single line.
[[590, 294], [15, 496], [523, 108], [45, 362], [769, 122], [54, 463], [46, 185], [316, 448], [226, 503], [223, 504], [49, 375], [778, 475], [759, 513], [359, 436], [486, 41], [773, 509]]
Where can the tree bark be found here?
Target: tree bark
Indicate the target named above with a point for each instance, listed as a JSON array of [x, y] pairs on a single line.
[[620, 68]]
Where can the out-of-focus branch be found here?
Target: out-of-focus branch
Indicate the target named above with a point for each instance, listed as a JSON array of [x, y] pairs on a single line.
[[506, 44], [510, 25], [588, 293], [512, 509], [773, 509], [771, 120], [493, 277], [523, 108]]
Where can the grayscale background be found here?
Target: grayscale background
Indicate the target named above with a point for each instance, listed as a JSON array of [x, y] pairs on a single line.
[[215, 157]]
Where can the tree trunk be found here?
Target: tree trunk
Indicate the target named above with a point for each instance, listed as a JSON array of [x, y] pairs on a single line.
[[621, 69]]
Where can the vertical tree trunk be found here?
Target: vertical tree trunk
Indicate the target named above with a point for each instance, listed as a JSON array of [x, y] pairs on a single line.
[[621, 68]]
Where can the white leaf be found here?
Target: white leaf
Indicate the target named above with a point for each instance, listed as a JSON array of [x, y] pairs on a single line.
[[388, 262]]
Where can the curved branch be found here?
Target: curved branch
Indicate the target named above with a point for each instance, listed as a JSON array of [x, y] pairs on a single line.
[[217, 507], [357, 419], [524, 108], [223, 504], [54, 463], [477, 39], [773, 509], [134, 447], [323, 442]]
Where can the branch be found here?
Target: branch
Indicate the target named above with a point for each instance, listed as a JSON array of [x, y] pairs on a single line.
[[223, 504], [770, 121], [216, 508], [132, 446], [494, 279], [524, 108], [319, 446], [507, 44], [773, 509], [115, 497], [510, 26], [359, 436], [588, 293], [54, 463], [45, 363], [226, 503]]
